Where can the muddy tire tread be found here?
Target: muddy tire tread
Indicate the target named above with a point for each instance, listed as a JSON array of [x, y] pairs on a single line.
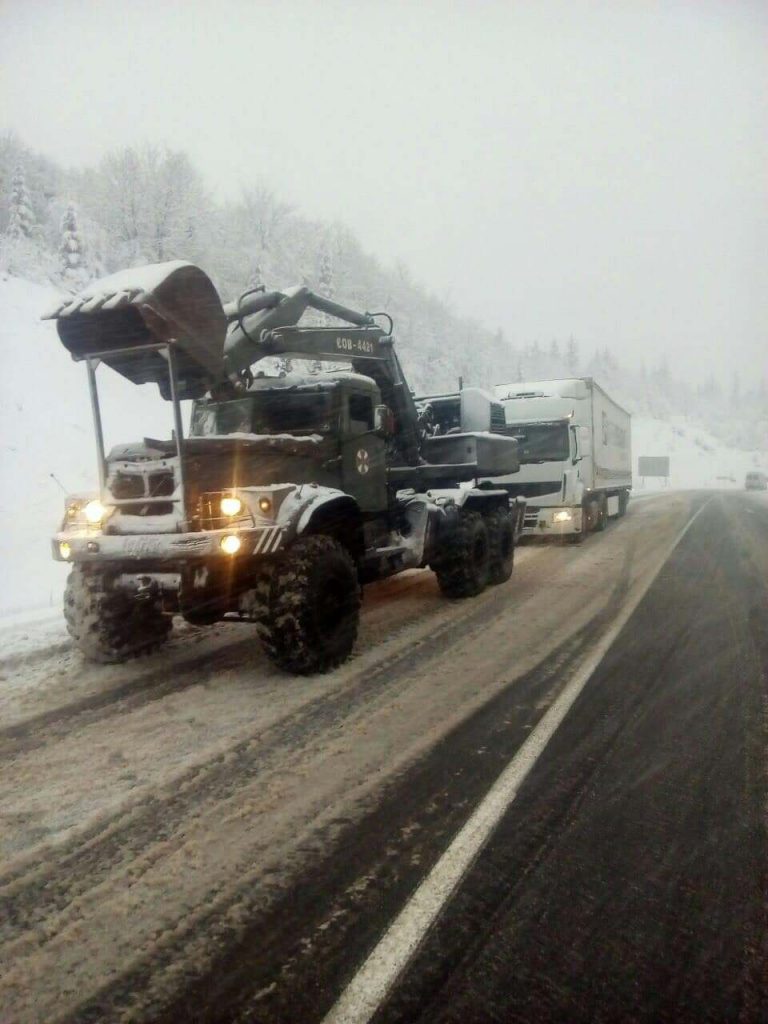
[[457, 574], [105, 625], [283, 607]]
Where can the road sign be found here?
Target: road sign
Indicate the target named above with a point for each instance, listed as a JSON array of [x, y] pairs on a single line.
[[653, 465]]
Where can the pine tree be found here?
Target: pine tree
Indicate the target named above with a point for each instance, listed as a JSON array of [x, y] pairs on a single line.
[[554, 356], [325, 283], [572, 357], [735, 390], [22, 218], [535, 360], [72, 249], [256, 277]]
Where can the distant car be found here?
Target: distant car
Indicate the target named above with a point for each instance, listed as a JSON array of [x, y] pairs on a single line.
[[756, 482]]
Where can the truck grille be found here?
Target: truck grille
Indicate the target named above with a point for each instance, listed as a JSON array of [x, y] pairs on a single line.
[[142, 486], [136, 485]]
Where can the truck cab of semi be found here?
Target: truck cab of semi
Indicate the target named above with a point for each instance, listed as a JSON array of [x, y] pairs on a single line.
[[573, 444]]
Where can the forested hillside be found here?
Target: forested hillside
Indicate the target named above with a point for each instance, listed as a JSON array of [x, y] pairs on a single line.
[[63, 227]]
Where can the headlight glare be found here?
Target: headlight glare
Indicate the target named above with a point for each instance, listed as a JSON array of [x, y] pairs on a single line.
[[230, 544], [265, 506], [231, 506], [562, 516], [64, 549], [94, 512]]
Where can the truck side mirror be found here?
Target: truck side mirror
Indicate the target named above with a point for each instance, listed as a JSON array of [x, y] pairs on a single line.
[[577, 456], [383, 420]]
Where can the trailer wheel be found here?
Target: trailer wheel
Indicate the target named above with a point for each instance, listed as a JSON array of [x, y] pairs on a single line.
[[501, 543], [462, 569], [307, 611], [105, 624], [623, 502], [595, 514], [601, 520]]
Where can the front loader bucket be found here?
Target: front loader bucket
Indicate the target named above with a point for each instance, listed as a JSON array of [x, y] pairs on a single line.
[[117, 317]]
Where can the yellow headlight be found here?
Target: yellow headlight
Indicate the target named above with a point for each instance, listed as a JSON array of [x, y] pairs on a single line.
[[230, 544], [64, 549], [231, 506], [265, 506], [94, 512]]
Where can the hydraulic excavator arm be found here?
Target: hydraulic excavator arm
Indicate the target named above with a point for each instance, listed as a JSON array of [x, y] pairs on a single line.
[[265, 324], [165, 323]]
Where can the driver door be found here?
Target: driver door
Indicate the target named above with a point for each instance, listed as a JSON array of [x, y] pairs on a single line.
[[363, 458]]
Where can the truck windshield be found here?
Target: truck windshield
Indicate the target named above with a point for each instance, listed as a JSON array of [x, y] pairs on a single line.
[[541, 442], [266, 412]]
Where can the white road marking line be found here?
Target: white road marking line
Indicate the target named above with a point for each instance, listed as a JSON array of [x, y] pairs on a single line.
[[373, 982]]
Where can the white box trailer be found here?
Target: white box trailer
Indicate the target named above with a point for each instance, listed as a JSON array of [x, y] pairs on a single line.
[[575, 455]]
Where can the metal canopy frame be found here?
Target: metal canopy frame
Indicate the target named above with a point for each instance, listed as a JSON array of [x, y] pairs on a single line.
[[93, 360]]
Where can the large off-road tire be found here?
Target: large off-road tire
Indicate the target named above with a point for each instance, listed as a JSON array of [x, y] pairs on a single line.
[[463, 566], [501, 541], [107, 625], [308, 609]]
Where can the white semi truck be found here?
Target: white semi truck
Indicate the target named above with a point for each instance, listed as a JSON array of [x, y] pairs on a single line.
[[575, 457]]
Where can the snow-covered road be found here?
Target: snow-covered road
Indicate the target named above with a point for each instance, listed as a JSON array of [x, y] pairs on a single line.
[[182, 793]]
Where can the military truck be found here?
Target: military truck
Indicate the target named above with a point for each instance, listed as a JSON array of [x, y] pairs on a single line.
[[286, 495]]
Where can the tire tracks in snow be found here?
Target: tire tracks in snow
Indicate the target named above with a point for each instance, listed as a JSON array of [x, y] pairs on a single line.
[[48, 880], [152, 683], [49, 892], [270, 909], [267, 906]]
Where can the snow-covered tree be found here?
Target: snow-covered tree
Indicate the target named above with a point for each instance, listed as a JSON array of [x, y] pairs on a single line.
[[572, 357], [21, 223], [152, 204], [72, 248], [256, 277], [325, 283], [325, 278]]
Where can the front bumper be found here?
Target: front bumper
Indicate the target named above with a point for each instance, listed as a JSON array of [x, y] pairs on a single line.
[[166, 547], [540, 521]]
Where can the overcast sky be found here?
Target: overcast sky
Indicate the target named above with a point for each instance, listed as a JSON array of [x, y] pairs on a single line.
[[553, 168]]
